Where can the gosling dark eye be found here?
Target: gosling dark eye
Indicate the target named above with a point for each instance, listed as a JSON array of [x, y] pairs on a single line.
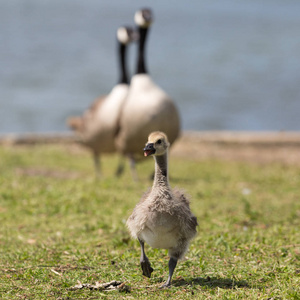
[[159, 142]]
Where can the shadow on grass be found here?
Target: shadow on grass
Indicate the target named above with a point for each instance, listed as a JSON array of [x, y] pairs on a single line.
[[212, 282]]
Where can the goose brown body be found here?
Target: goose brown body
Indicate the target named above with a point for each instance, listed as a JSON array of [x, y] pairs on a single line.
[[97, 127], [162, 218], [147, 108]]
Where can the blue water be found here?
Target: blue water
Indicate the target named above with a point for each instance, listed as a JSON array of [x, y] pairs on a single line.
[[228, 64]]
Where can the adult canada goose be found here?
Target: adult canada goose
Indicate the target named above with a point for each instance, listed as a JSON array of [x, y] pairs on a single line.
[[162, 218], [97, 127], [147, 107]]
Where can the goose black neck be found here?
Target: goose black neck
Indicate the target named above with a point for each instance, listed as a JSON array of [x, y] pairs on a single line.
[[141, 65], [123, 68]]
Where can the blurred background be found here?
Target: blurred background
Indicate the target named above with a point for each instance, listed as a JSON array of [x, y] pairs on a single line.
[[228, 64]]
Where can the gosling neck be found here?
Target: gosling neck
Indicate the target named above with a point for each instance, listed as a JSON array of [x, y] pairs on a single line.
[[122, 64], [141, 63], [161, 176]]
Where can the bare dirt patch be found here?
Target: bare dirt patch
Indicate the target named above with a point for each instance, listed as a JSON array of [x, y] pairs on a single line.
[[259, 148]]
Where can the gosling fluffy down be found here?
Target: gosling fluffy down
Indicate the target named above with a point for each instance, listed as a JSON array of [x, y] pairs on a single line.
[[162, 218]]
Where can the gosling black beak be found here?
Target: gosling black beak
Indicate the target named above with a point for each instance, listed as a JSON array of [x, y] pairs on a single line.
[[149, 149]]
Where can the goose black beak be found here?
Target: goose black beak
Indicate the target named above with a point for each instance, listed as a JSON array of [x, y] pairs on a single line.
[[149, 149], [147, 14]]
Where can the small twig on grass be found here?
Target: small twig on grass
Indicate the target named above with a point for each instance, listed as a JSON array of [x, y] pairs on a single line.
[[108, 286], [55, 272]]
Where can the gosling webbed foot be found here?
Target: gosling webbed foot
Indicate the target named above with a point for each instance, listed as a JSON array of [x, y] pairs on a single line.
[[146, 267], [145, 263]]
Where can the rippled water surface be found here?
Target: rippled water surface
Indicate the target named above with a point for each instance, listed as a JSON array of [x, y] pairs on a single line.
[[229, 65]]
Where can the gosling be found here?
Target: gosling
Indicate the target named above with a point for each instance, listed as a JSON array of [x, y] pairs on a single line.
[[162, 218]]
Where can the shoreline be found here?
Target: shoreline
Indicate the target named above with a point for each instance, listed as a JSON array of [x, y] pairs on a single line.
[[264, 138], [259, 147]]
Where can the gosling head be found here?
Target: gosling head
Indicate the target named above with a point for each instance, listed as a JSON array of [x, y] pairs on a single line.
[[126, 35], [157, 144], [143, 18]]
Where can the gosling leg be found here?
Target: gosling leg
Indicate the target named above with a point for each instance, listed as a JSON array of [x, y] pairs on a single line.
[[172, 266], [145, 263]]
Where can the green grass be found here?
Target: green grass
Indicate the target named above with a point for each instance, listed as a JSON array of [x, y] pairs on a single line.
[[60, 225]]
